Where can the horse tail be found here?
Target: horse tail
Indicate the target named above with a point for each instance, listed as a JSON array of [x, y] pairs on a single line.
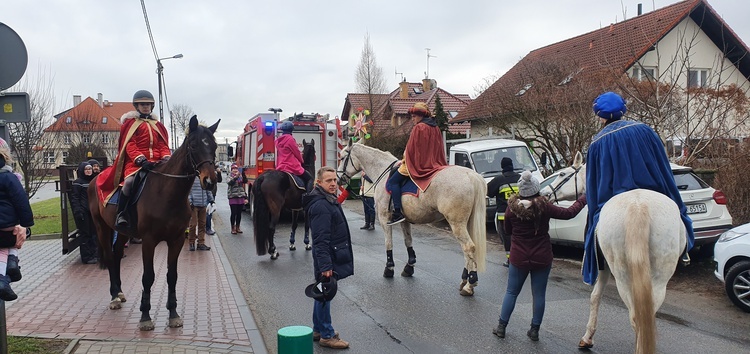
[[477, 222], [105, 240], [261, 218], [637, 235]]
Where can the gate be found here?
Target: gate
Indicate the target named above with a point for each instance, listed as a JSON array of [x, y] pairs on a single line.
[[69, 233]]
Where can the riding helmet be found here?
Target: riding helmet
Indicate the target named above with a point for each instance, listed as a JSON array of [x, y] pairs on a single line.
[[142, 96], [287, 127]]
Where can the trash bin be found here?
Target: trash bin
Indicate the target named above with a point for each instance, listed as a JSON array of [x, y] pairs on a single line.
[[295, 340]]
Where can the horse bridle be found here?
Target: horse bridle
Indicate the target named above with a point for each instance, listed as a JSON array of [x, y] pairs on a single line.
[[195, 166], [565, 180], [374, 183]]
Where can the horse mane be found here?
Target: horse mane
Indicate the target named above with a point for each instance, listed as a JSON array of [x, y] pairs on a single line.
[[179, 163], [385, 154]]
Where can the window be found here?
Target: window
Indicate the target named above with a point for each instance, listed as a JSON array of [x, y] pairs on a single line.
[[697, 78], [86, 138], [644, 73], [104, 120], [524, 89], [65, 157], [68, 120], [453, 114], [417, 90], [66, 139], [49, 157], [105, 139], [569, 78]]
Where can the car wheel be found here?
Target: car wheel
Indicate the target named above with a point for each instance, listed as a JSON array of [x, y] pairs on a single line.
[[738, 285]]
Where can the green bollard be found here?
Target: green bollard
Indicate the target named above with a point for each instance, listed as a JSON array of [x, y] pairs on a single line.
[[295, 340]]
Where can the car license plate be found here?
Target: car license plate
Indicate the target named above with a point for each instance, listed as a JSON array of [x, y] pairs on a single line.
[[696, 208]]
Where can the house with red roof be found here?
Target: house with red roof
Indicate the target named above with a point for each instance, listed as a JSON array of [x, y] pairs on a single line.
[[94, 122], [390, 112], [680, 51]]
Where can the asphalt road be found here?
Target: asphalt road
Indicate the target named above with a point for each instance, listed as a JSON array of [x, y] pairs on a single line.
[[426, 314]]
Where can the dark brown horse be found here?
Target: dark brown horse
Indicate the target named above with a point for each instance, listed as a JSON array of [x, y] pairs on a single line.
[[273, 192], [162, 213]]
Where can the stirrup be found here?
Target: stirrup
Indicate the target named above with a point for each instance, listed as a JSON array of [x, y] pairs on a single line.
[[396, 218]]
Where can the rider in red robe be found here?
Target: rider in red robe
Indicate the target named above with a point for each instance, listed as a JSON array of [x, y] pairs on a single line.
[[423, 158], [143, 142]]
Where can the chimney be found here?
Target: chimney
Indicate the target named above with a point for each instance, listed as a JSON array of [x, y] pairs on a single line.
[[426, 85], [640, 9], [99, 99], [76, 100], [404, 89]]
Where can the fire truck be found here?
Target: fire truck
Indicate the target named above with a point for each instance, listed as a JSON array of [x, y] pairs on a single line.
[[256, 148]]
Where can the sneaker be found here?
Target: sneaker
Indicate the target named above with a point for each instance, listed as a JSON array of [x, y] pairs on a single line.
[[92, 261], [334, 342], [210, 232], [192, 247], [316, 336], [203, 247], [13, 270], [506, 264], [136, 241], [396, 218]]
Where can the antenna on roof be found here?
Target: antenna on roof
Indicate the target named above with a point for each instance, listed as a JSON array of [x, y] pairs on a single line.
[[427, 73], [398, 73]]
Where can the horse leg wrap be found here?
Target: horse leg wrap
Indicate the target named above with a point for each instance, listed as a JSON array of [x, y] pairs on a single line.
[[473, 277], [412, 255], [465, 274], [389, 259]]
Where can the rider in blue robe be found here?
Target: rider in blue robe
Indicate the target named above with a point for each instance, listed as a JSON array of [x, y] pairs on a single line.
[[623, 156]]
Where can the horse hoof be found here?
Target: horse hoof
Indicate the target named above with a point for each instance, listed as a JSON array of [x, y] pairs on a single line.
[[115, 304], [121, 296], [308, 247], [463, 283], [146, 325], [583, 345], [408, 271], [292, 247], [388, 272], [467, 291], [175, 322], [275, 255]]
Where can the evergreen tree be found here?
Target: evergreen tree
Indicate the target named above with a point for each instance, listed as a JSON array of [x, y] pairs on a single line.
[[441, 117]]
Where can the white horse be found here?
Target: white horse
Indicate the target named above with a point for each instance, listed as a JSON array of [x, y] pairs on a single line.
[[642, 236], [456, 194]]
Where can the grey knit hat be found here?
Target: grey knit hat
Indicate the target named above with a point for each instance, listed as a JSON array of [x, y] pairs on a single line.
[[527, 185]]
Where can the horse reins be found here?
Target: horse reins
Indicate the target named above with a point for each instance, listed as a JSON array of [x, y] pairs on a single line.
[[195, 166], [374, 183], [565, 180]]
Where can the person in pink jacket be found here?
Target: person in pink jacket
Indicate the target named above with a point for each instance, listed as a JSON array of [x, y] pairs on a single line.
[[288, 156]]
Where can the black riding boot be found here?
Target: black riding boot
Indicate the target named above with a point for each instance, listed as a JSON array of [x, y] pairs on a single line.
[[367, 223], [372, 222], [122, 222], [396, 217]]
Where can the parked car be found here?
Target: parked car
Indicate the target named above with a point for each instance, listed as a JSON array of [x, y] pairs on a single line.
[[706, 207], [732, 258]]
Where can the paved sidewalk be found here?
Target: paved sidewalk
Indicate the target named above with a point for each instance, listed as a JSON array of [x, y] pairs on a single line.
[[61, 298]]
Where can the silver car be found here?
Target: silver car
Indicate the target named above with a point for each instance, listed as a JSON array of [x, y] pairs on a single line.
[[706, 207]]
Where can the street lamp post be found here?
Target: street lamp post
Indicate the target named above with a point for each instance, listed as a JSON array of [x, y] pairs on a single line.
[[159, 71], [276, 111]]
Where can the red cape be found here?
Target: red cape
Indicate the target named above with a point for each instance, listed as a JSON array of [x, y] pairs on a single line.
[[425, 154], [111, 178]]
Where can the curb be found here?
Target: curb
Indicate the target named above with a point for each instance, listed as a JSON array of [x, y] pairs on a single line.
[[72, 346]]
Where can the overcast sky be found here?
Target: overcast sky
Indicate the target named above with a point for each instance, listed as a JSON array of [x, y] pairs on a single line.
[[242, 57]]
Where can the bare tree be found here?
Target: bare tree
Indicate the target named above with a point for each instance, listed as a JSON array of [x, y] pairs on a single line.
[[181, 114], [369, 77], [26, 138]]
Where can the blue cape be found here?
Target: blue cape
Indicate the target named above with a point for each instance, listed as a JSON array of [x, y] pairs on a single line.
[[623, 156]]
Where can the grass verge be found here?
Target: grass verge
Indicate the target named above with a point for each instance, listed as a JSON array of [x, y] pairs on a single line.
[[47, 217], [29, 345]]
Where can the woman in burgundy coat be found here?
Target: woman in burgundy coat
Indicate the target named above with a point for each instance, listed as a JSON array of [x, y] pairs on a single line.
[[527, 221]]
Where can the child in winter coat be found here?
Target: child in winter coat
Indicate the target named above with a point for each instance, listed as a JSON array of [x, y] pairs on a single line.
[[15, 219]]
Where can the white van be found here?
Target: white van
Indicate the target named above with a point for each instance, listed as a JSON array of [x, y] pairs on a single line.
[[483, 156]]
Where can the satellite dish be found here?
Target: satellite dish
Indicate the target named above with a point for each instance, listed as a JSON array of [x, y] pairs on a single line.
[[13, 57]]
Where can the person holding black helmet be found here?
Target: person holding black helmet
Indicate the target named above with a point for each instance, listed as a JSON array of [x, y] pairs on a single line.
[[143, 142], [288, 157], [333, 258]]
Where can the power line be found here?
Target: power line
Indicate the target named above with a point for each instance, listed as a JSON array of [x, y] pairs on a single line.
[[148, 28]]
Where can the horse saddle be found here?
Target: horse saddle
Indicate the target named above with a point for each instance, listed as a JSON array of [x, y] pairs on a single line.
[[408, 187], [138, 183], [298, 182]]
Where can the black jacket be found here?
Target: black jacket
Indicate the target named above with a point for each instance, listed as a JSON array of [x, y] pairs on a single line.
[[332, 242], [79, 199], [505, 179]]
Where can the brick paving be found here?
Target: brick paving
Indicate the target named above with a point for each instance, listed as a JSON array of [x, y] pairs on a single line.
[[61, 298]]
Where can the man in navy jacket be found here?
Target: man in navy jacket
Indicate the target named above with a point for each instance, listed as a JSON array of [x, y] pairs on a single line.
[[332, 249]]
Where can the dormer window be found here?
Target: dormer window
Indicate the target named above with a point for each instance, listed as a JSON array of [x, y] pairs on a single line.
[[569, 78], [104, 120], [524, 89], [68, 120]]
